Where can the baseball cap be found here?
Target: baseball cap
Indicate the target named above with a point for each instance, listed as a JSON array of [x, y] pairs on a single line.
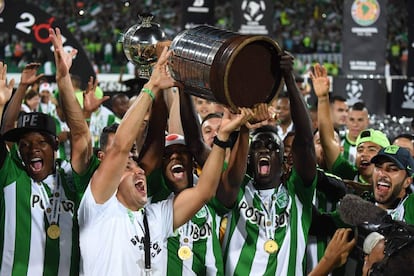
[[45, 86], [374, 136], [399, 156], [31, 122], [174, 139], [371, 241]]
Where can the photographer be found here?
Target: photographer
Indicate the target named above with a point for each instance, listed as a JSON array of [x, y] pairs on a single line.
[[385, 245], [390, 253]]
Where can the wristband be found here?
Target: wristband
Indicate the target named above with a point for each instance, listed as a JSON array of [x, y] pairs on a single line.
[[221, 144], [225, 166], [149, 92], [233, 138]]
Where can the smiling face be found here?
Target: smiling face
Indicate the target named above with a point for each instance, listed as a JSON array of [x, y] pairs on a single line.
[[365, 152], [132, 191], [177, 167], [37, 153], [390, 183], [266, 157]]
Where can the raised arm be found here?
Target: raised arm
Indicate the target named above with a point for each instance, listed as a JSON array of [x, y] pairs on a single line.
[[152, 151], [5, 94], [190, 200], [303, 150], [233, 176], [112, 167], [320, 82], [80, 138], [192, 131], [28, 77]]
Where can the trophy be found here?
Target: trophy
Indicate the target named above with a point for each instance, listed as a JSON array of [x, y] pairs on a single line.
[[226, 67], [139, 44]]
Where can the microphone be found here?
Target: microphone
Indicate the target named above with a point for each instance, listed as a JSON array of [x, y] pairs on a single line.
[[354, 210]]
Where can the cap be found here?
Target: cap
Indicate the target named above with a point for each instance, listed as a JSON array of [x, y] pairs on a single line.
[[174, 139], [31, 122], [399, 156], [374, 136], [45, 86], [371, 241]]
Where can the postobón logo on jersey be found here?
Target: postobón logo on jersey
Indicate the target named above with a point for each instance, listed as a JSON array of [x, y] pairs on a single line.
[[253, 10], [365, 12], [354, 90], [258, 217], [408, 92]]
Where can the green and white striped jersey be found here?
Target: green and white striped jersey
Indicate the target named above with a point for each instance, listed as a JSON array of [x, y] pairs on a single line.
[[206, 258], [25, 247], [248, 229], [202, 232], [349, 152]]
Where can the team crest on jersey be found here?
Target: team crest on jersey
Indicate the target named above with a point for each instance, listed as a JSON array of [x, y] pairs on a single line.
[[282, 200], [202, 213]]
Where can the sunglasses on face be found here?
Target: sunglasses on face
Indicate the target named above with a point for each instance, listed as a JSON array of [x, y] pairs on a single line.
[[268, 144]]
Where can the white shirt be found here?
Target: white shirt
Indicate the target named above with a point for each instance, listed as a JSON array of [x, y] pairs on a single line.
[[111, 237]]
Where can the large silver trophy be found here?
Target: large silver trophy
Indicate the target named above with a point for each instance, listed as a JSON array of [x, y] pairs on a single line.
[[139, 44]]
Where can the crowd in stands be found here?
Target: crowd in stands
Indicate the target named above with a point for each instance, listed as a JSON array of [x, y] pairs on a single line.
[[170, 184], [301, 27]]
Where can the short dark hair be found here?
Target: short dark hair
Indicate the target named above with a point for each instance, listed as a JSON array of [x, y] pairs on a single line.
[[211, 116], [360, 106], [265, 128], [336, 98], [103, 139], [408, 136]]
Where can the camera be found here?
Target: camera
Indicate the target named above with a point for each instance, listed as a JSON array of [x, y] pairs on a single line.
[[397, 234]]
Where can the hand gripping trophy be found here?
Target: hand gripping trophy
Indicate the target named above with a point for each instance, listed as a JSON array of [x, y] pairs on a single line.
[[139, 44]]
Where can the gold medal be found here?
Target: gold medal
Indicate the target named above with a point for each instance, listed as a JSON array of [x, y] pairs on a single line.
[[270, 246], [184, 252], [53, 231]]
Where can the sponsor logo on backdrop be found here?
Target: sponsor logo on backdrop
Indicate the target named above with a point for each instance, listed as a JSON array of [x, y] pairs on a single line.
[[253, 12], [365, 13], [354, 91], [408, 92]]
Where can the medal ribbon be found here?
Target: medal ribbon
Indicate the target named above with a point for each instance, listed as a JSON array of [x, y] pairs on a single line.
[[185, 234], [52, 216], [147, 239], [269, 218]]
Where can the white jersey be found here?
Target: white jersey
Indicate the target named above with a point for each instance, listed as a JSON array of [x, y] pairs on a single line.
[[112, 237]]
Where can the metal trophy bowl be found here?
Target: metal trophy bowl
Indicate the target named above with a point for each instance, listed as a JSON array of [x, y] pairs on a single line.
[[139, 44], [226, 67]]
